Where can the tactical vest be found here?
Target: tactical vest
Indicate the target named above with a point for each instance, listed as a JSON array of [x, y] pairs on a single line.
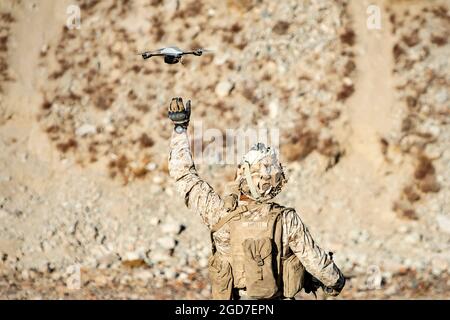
[[258, 262]]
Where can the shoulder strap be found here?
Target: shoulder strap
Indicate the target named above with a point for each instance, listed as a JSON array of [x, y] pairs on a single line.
[[231, 215]]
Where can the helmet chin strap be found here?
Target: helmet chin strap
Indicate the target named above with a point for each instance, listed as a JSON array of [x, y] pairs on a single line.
[[250, 183]]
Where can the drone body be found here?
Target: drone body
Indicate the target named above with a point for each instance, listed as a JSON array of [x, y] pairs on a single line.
[[171, 55]]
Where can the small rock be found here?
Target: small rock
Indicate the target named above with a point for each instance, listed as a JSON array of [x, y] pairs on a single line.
[[438, 266], [224, 88], [25, 275], [169, 273], [56, 276], [107, 260], [441, 96], [144, 275], [45, 246], [206, 292], [158, 256], [5, 178], [151, 166], [23, 157], [220, 59], [433, 151], [3, 214], [182, 276], [391, 290], [85, 129], [101, 280], [273, 109], [158, 179], [347, 81], [413, 238], [443, 222], [154, 221], [359, 236], [203, 263], [172, 228], [155, 189], [166, 242], [132, 256], [126, 279], [171, 6]]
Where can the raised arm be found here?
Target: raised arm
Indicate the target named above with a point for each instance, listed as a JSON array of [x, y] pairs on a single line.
[[315, 260], [197, 194]]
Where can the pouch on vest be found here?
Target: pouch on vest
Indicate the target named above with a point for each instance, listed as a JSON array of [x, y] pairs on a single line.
[[259, 278], [293, 276], [221, 277]]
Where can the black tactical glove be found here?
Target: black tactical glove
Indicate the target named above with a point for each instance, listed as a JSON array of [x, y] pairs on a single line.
[[179, 114], [312, 284], [336, 289]]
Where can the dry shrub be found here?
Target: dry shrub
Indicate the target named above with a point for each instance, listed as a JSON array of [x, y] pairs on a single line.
[[412, 39], [156, 2], [411, 102], [350, 66], [348, 36], [411, 193], [281, 27], [404, 210], [299, 146], [249, 94], [439, 40], [236, 27], [441, 12], [87, 5], [145, 141], [424, 167], [384, 146], [192, 9], [346, 91], [407, 124], [66, 146], [241, 5], [398, 52], [429, 184], [132, 264]]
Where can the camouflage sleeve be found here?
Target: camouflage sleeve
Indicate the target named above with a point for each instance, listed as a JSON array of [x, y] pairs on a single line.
[[198, 194], [316, 261]]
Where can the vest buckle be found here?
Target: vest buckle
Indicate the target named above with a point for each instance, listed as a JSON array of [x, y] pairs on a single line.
[[259, 260]]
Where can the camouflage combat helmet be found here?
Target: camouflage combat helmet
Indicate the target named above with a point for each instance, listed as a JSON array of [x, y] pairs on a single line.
[[260, 175]]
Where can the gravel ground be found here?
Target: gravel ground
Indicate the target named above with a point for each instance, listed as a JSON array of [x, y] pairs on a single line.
[[363, 127]]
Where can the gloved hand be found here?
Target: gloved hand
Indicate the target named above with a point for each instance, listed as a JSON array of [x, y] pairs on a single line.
[[179, 114], [336, 289]]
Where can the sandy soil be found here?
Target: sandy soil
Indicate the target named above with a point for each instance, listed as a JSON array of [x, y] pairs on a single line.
[[340, 94]]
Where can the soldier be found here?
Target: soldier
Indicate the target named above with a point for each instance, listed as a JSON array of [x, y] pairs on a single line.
[[260, 250]]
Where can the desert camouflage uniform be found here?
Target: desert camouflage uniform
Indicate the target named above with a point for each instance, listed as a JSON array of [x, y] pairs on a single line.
[[201, 197]]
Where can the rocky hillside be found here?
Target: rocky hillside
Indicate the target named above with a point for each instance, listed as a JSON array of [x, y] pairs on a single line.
[[362, 116]]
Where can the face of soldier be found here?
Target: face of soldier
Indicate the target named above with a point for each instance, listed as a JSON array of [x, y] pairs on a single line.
[[265, 171], [265, 176]]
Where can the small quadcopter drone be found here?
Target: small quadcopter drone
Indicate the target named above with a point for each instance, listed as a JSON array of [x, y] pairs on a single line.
[[171, 55]]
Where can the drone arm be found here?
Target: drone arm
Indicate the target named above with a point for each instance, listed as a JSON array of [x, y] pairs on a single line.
[[195, 53], [147, 55]]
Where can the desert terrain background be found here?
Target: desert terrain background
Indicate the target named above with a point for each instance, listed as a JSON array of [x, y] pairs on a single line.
[[87, 208]]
